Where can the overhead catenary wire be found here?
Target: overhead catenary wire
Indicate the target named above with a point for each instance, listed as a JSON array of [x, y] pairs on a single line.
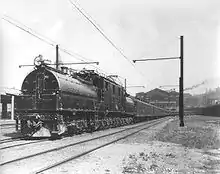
[[47, 40], [51, 42], [42, 38], [92, 21], [101, 31], [26, 30]]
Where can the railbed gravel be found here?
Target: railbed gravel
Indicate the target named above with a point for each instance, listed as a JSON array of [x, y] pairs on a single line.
[[164, 148], [43, 160], [160, 149]]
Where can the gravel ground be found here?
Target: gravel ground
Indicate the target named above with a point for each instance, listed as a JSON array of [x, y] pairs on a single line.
[[34, 163], [110, 159], [8, 132], [165, 148], [5, 128]]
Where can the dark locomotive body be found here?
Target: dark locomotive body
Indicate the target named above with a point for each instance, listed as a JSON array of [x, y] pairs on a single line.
[[58, 102]]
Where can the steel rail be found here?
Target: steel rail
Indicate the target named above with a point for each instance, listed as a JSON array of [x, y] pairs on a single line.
[[96, 148], [6, 140], [8, 127], [23, 144], [73, 144], [9, 124]]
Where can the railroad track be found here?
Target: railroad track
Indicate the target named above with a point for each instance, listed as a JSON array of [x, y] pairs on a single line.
[[127, 131], [7, 140], [8, 125], [21, 144], [15, 139]]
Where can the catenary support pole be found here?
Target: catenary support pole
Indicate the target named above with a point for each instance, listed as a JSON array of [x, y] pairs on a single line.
[[181, 97], [57, 57]]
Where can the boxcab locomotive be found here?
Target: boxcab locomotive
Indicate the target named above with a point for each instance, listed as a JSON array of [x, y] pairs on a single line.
[[54, 102]]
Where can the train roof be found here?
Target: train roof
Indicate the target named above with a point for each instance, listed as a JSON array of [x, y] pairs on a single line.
[[60, 81], [76, 73]]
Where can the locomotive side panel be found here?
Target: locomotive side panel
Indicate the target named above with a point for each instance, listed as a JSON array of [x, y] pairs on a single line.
[[114, 99], [75, 95], [77, 102]]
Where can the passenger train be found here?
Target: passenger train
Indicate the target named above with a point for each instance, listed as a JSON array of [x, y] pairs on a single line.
[[55, 102]]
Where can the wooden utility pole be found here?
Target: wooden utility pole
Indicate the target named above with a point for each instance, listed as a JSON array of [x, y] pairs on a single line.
[[181, 97]]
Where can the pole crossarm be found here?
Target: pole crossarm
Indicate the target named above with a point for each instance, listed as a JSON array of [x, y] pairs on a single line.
[[20, 66], [168, 86], [159, 58], [136, 86], [77, 63]]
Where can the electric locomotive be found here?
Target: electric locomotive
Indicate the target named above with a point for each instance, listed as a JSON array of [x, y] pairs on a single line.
[[57, 102], [54, 102]]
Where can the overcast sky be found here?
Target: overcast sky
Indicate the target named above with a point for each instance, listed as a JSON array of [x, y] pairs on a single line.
[[140, 28]]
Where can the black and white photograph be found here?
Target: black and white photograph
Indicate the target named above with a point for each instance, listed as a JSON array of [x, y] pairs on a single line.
[[110, 87]]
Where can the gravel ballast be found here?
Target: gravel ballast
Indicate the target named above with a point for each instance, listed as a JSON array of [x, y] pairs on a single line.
[[164, 148]]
